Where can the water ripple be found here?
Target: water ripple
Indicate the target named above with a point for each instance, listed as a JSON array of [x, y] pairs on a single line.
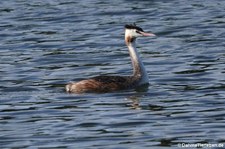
[[45, 44]]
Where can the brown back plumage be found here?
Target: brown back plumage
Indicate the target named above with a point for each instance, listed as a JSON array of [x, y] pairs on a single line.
[[101, 84]]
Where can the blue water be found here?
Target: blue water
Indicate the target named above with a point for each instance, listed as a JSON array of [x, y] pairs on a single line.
[[46, 44]]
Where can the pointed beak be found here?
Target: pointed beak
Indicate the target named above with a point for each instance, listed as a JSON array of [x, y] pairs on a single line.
[[147, 34]]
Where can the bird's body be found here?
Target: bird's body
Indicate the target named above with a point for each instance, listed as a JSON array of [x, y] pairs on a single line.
[[101, 84], [114, 83]]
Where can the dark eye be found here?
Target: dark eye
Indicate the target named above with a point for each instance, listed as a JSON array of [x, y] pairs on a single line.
[[137, 31]]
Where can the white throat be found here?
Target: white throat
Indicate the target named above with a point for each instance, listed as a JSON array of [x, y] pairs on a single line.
[[138, 67]]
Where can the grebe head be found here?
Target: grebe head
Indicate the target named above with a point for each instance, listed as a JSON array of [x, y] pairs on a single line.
[[133, 31]]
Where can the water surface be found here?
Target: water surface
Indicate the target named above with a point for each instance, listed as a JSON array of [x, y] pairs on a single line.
[[45, 44]]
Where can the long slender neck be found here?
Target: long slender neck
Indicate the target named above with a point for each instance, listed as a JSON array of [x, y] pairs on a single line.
[[138, 67]]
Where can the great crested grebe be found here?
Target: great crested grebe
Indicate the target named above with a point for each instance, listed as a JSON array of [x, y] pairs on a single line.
[[114, 83]]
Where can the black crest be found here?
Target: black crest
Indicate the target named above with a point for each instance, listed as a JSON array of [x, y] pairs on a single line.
[[133, 26]]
